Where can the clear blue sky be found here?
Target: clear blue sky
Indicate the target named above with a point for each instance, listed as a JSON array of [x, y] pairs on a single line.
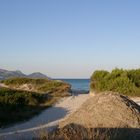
[[69, 38]]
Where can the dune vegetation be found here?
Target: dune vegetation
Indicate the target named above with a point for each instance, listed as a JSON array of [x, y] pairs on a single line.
[[20, 102], [18, 105], [126, 82], [37, 85]]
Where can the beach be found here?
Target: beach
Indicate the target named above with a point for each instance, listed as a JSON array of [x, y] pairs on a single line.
[[47, 120]]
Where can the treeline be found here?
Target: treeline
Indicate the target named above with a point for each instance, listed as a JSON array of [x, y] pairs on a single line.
[[126, 82]]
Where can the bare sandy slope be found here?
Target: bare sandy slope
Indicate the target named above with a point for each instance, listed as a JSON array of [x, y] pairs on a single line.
[[3, 85], [106, 110], [47, 119]]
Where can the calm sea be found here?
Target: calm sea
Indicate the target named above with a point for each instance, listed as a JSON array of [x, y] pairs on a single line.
[[78, 84]]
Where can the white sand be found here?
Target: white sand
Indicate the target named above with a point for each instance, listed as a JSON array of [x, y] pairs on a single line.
[[48, 118]]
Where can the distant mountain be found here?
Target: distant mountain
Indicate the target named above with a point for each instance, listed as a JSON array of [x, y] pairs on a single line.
[[5, 74], [37, 75]]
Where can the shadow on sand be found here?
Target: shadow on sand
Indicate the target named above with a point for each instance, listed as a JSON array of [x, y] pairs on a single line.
[[32, 127]]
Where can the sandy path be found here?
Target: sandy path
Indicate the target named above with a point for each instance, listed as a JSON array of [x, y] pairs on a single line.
[[47, 119]]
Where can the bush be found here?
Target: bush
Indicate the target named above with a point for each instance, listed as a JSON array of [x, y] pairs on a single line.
[[126, 82], [17, 105], [38, 85]]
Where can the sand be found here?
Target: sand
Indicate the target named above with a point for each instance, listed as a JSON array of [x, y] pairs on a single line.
[[106, 110], [48, 119]]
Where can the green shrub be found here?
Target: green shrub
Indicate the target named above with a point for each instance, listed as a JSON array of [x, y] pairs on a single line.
[[126, 82], [18, 104], [19, 98], [39, 85]]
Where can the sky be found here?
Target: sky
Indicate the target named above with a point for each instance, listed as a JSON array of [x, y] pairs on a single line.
[[69, 38]]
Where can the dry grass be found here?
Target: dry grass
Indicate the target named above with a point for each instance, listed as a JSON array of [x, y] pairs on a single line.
[[77, 132]]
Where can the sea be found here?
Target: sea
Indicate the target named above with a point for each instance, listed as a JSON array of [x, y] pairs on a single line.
[[78, 84]]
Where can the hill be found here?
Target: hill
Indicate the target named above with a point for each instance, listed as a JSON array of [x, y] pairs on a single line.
[[37, 75], [5, 74]]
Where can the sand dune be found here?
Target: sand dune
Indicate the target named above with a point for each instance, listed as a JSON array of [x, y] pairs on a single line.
[[46, 120]]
